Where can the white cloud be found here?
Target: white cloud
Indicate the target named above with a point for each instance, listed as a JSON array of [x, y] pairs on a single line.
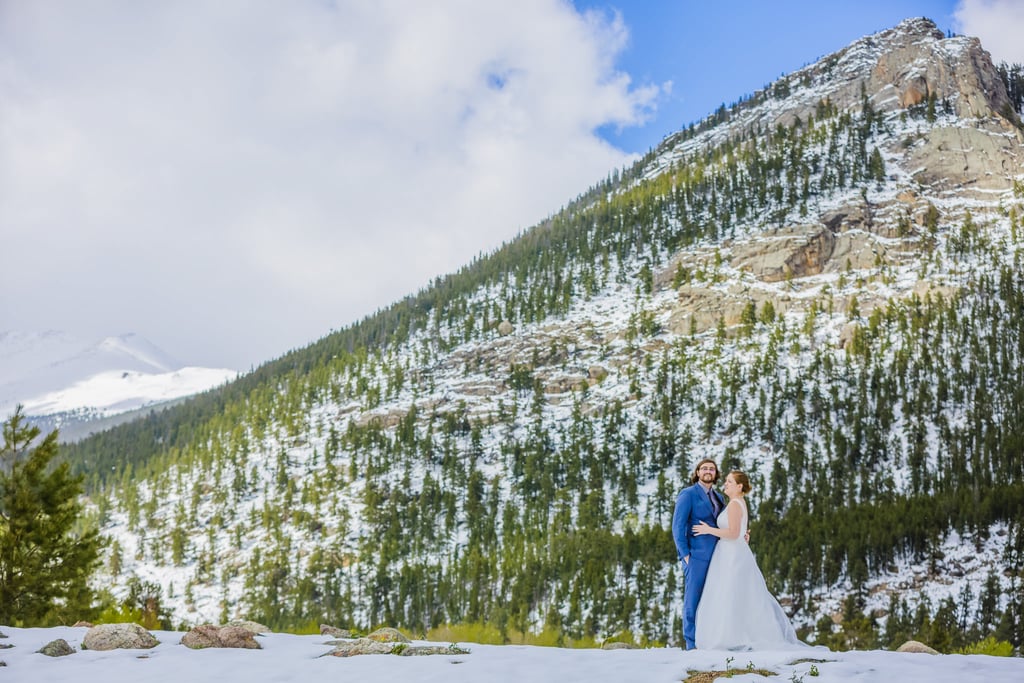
[[998, 23], [233, 179]]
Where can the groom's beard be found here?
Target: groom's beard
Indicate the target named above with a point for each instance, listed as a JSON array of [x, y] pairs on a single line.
[[707, 479]]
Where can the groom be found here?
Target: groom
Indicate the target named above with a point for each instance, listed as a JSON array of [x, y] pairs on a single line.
[[696, 503]]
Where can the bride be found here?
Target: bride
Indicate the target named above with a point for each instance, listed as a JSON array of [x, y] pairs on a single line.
[[736, 611]]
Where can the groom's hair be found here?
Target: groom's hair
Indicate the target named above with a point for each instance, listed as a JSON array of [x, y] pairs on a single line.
[[696, 470]]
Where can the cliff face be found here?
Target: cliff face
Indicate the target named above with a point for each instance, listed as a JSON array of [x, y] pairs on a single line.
[[972, 159], [898, 68], [917, 62]]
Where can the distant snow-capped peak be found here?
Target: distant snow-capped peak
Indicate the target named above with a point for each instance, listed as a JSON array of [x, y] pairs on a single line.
[[55, 372], [117, 391]]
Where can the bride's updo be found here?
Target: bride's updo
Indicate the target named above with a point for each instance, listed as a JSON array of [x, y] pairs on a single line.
[[742, 479]]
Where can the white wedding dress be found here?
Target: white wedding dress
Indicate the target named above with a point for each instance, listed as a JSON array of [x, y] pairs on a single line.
[[736, 611]]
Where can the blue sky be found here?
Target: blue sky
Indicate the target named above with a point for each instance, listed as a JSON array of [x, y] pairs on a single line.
[[714, 52], [233, 180]]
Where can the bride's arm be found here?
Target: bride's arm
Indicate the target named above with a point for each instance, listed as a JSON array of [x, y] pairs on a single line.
[[732, 533]]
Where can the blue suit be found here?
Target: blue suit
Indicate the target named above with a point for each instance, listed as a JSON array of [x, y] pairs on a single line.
[[693, 507]]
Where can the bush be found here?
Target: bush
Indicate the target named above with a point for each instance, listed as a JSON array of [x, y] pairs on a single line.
[[989, 646]]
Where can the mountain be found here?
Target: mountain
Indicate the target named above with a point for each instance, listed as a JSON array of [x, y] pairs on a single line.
[[820, 284], [67, 381]]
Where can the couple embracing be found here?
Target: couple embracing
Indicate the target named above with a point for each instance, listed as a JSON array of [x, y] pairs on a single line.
[[726, 604]]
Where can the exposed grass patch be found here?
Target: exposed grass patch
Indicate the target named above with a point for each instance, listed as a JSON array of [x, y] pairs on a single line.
[[632, 639], [311, 627], [488, 634], [708, 676]]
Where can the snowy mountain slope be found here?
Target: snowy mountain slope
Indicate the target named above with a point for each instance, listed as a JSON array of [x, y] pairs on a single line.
[[55, 373], [821, 288]]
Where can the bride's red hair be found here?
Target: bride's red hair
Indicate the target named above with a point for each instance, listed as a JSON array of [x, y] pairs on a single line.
[[742, 479]]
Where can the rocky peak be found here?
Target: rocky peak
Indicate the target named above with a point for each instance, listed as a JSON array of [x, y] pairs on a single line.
[[964, 145], [905, 66], [916, 62], [895, 69]]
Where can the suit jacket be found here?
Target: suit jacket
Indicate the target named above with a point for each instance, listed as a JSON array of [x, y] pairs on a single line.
[[693, 507]]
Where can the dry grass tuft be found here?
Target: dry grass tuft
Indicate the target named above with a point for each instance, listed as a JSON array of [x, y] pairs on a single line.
[[709, 676]]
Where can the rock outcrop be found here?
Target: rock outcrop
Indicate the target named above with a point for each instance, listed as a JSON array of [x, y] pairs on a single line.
[[920, 62], [911, 65], [255, 627], [796, 251], [360, 646], [56, 648], [369, 646], [388, 635], [915, 646], [208, 635], [118, 636], [907, 66], [974, 157], [334, 632]]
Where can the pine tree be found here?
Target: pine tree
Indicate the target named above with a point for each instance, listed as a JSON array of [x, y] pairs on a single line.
[[44, 562]]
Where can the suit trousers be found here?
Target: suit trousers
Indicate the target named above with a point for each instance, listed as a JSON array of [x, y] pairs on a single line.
[[695, 573]]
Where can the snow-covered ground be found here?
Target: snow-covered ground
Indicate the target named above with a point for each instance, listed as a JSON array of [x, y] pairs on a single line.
[[286, 657]]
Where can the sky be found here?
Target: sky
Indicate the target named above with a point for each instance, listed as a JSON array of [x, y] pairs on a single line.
[[285, 657], [233, 180]]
